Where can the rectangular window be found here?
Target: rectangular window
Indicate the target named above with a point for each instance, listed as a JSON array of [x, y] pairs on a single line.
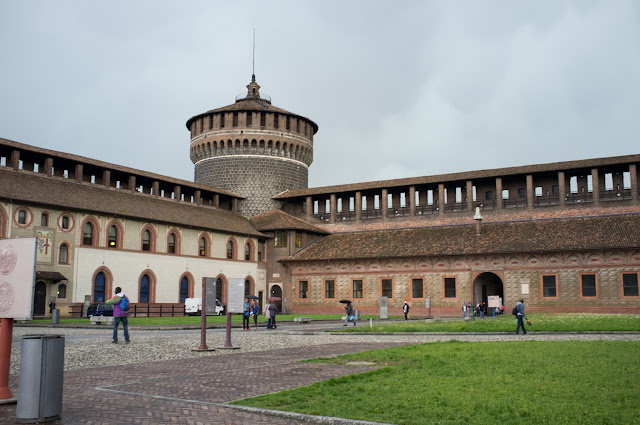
[[298, 240], [450, 287], [288, 126], [549, 286], [303, 289], [588, 284], [522, 193], [249, 119], [222, 120], [44, 220], [488, 195], [281, 239], [260, 250], [555, 190], [386, 288], [329, 288], [358, 290], [234, 123], [263, 119], [417, 288], [630, 284], [276, 117]]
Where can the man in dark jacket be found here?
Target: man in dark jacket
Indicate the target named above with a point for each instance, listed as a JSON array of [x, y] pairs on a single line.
[[119, 316], [520, 316]]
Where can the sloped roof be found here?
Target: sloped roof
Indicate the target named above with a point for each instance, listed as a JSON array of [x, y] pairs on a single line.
[[569, 234], [28, 187], [280, 220]]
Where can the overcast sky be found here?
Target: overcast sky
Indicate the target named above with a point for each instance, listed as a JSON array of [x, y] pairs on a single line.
[[397, 88]]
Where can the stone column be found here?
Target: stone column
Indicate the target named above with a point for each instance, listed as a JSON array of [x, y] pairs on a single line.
[[216, 200], [470, 196], [596, 186], [48, 167], [234, 204], [412, 201], [441, 198], [633, 175], [15, 160], [132, 183], [155, 187], [358, 207], [309, 206], [529, 191], [176, 192], [78, 173], [499, 202], [333, 208], [196, 197], [383, 203], [562, 188], [106, 178]]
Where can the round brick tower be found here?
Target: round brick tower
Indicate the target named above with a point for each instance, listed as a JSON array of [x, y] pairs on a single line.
[[253, 149]]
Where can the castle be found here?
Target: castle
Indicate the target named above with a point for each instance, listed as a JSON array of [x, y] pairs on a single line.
[[565, 236]]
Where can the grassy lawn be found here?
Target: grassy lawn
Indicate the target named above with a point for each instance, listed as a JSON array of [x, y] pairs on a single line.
[[563, 322], [521, 382]]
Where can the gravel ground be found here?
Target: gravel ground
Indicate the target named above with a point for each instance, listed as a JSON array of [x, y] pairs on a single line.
[[87, 348]]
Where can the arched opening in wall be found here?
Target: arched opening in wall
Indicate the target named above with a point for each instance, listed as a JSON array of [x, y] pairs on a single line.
[[146, 288], [485, 285], [276, 292], [186, 287], [220, 290], [101, 290], [40, 299]]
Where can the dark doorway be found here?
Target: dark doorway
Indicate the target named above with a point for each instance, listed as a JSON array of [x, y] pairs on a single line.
[[485, 285], [219, 292], [276, 291], [40, 299]]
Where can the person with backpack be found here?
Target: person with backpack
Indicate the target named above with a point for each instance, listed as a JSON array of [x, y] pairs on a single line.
[[520, 316], [121, 305]]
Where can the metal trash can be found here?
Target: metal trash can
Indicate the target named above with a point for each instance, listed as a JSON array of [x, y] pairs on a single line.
[[55, 316], [40, 382]]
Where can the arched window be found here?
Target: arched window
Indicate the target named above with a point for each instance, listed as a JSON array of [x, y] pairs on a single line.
[[99, 286], [219, 284], [22, 217], [171, 244], [247, 252], [146, 241], [230, 250], [113, 237], [62, 291], [247, 287], [145, 286], [87, 234], [184, 289], [203, 247], [63, 254], [64, 222]]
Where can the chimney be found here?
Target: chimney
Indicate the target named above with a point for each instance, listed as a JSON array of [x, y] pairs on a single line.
[[478, 218]]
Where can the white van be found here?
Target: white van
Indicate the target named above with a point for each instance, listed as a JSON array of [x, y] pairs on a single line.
[[193, 307]]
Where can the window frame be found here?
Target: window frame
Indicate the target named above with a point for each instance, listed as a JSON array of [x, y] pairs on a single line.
[[84, 234], [444, 287], [353, 294], [44, 219], [381, 289], [555, 276], [112, 243], [324, 289], [589, 297], [298, 242], [65, 244], [280, 239], [412, 291], [637, 274], [298, 289], [64, 287]]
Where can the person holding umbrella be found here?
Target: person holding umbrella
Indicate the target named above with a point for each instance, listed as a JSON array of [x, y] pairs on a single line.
[[349, 309], [273, 310]]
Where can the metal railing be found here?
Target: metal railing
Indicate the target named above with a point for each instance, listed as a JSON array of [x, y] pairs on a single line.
[[371, 214], [398, 212], [615, 195], [456, 207], [485, 205], [515, 203], [426, 209], [346, 215], [546, 200], [579, 198]]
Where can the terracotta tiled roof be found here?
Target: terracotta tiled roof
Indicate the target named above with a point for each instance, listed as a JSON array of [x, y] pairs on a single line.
[[588, 233], [114, 167], [31, 188], [280, 220], [585, 164]]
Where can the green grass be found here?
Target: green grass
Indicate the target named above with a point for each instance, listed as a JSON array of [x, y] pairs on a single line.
[[572, 382], [562, 322]]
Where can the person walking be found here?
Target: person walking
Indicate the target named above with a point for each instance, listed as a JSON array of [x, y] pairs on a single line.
[[246, 312], [267, 314], [119, 315], [405, 310], [254, 312], [350, 316], [520, 316], [273, 309], [464, 310]]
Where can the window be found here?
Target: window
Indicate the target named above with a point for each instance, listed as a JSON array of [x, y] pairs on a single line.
[[62, 291], [171, 244], [247, 252], [99, 286], [146, 241], [417, 288], [144, 289], [222, 120], [298, 240], [260, 251], [357, 288], [549, 286], [113, 237], [44, 220], [630, 284], [235, 119], [522, 193], [329, 288], [202, 251], [64, 222], [555, 190], [87, 234], [276, 117], [63, 254], [488, 195], [263, 119], [303, 289], [386, 288], [247, 287], [288, 125], [450, 287], [230, 250], [588, 283], [249, 119], [281, 239], [184, 289], [22, 217]]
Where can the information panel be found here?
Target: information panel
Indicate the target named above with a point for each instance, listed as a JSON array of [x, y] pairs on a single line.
[[235, 298], [210, 288], [17, 278]]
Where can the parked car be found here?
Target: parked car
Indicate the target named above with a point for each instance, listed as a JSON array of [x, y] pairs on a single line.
[[99, 309], [193, 307]]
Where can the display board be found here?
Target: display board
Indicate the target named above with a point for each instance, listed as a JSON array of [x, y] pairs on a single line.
[[210, 288], [235, 296], [494, 301], [17, 278]]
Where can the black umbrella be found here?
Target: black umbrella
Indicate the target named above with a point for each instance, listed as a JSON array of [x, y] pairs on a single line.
[[252, 297], [345, 301]]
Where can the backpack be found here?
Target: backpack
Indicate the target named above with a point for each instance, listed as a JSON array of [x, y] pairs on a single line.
[[514, 311], [124, 304]]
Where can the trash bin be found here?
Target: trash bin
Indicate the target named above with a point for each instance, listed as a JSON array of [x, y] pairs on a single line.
[[40, 382], [356, 315], [55, 316]]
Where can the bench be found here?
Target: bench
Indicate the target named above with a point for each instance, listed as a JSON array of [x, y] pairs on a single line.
[[95, 320], [302, 319]]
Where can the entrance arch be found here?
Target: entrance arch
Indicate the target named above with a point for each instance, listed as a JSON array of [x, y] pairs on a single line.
[[485, 285], [276, 291], [40, 299]]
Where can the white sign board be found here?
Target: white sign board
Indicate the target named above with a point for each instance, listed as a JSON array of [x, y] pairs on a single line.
[[494, 301], [235, 296], [210, 288], [17, 278]]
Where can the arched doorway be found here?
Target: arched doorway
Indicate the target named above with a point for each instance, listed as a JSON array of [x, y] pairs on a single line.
[[40, 299], [485, 285], [276, 291]]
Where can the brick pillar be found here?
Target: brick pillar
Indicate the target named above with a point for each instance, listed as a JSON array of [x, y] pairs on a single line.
[[196, 197], [333, 207], [384, 202], [177, 193], [441, 198], [15, 160], [234, 204], [216, 200], [633, 175], [79, 172], [106, 178], [155, 188], [309, 205], [358, 206], [132, 183], [412, 201], [499, 193], [562, 188], [529, 191], [596, 186], [470, 196], [48, 167]]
